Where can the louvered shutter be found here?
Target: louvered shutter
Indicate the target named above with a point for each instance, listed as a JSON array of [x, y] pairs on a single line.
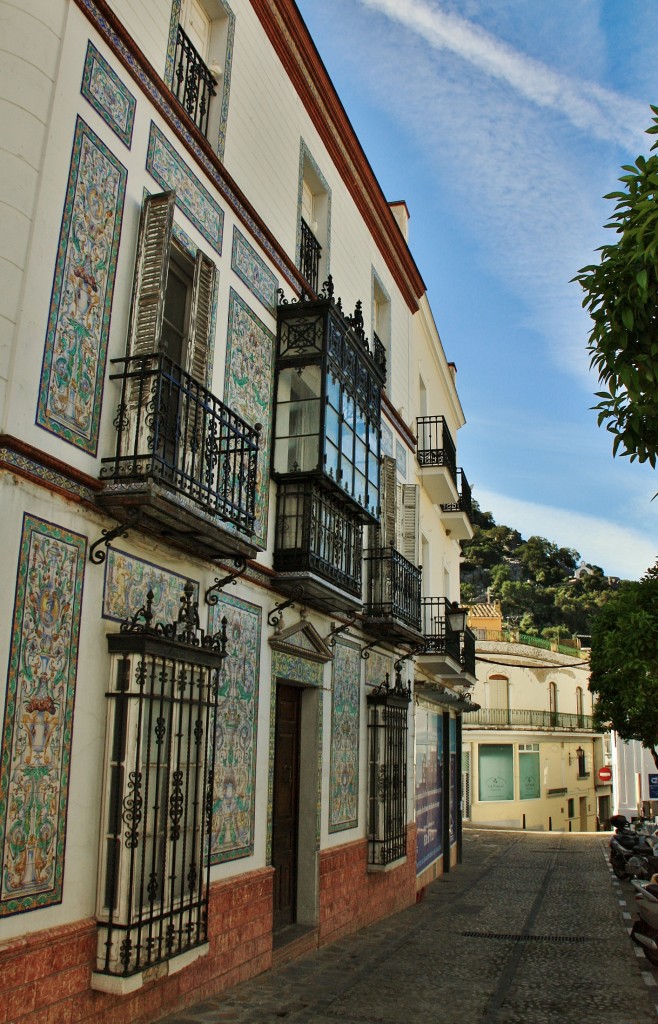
[[385, 532], [200, 318], [408, 537], [151, 269]]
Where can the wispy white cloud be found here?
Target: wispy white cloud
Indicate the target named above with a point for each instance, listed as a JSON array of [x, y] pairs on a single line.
[[597, 111], [619, 550]]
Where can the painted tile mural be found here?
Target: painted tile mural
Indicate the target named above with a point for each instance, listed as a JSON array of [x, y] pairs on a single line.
[[345, 709], [192, 197], [234, 790], [36, 737], [127, 582], [108, 95], [255, 273], [248, 391], [377, 666], [73, 368]]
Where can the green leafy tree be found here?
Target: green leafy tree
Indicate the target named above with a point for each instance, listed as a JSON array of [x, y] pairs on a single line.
[[621, 296], [624, 662]]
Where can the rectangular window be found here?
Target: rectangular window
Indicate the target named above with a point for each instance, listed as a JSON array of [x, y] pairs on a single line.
[[387, 777], [156, 812], [496, 771], [529, 781]]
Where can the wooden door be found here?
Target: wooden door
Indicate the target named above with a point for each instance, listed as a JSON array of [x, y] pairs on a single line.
[[285, 812]]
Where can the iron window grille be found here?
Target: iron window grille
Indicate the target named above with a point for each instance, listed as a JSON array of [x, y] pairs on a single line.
[[310, 251], [387, 772], [157, 793], [193, 84], [316, 533]]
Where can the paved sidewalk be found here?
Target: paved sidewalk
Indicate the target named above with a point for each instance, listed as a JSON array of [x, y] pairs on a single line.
[[528, 930]]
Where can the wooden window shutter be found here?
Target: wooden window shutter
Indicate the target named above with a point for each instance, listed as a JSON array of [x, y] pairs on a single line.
[[151, 268], [408, 541], [200, 318], [385, 532]]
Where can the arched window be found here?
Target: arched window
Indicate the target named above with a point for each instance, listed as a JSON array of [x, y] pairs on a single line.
[[499, 699], [579, 706], [552, 702]]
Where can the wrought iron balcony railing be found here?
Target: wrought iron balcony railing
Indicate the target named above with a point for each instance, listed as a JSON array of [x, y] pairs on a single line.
[[465, 501], [439, 638], [392, 588], [173, 430], [309, 256], [319, 534], [193, 84], [435, 446], [529, 719]]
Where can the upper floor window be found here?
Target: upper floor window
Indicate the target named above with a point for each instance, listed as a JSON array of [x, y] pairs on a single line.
[[314, 223], [201, 41], [399, 524], [381, 317]]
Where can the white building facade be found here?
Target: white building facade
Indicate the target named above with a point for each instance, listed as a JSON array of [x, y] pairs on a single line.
[[228, 445]]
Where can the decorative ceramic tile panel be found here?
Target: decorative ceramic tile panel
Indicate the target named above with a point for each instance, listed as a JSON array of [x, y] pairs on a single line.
[[79, 320], [108, 95], [248, 385], [387, 440], [127, 582], [299, 669], [22, 464], [165, 164], [36, 737], [234, 791], [345, 717], [401, 458], [377, 665], [255, 273]]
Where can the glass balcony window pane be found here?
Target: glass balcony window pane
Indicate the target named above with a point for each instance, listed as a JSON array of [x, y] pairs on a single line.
[[333, 391], [347, 444], [360, 488], [332, 425], [331, 460], [348, 408], [360, 456], [361, 425]]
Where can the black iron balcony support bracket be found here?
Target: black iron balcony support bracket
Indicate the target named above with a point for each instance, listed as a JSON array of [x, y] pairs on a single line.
[[96, 554], [212, 593], [276, 614], [412, 652], [365, 651], [337, 630]]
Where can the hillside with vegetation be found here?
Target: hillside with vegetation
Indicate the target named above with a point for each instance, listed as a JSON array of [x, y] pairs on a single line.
[[544, 590]]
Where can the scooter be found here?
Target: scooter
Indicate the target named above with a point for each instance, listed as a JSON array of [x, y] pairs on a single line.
[[633, 851], [645, 930]]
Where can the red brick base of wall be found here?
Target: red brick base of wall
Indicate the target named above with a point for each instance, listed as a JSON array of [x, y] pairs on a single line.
[[45, 977], [352, 897]]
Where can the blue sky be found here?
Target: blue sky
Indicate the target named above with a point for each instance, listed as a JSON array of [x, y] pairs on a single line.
[[502, 123]]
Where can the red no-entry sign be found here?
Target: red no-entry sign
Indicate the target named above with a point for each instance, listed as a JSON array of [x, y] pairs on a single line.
[[605, 773]]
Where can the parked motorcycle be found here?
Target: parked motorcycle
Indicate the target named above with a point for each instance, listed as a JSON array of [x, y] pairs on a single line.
[[633, 849], [645, 930]]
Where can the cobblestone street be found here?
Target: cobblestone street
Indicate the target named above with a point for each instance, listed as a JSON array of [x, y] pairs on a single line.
[[530, 928]]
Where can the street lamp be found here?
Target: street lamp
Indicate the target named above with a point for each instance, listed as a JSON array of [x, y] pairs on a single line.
[[456, 616]]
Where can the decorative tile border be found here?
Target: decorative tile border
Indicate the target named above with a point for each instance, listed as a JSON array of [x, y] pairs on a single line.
[[36, 737], [109, 97], [345, 723], [234, 789], [75, 350], [248, 386], [21, 463], [159, 98], [253, 271], [128, 580], [170, 171]]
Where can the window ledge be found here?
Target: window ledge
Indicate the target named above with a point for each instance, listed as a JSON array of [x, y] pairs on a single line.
[[584, 775], [122, 985], [381, 868], [558, 792]]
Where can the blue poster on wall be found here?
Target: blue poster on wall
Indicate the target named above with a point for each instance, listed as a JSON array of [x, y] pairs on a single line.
[[429, 798], [455, 781], [653, 787]]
